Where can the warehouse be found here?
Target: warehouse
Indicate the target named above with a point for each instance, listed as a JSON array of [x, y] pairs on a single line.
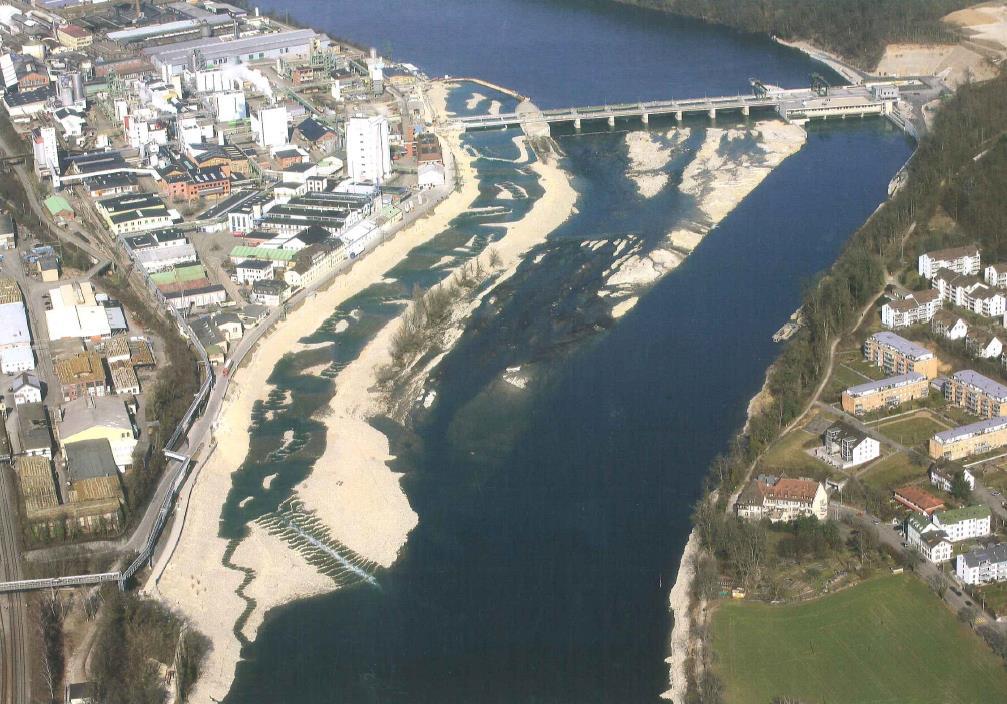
[[173, 58]]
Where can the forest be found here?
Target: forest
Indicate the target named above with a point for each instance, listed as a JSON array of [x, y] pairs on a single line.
[[857, 30]]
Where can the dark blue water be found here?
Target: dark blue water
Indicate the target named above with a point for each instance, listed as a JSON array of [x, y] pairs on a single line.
[[561, 52], [552, 520]]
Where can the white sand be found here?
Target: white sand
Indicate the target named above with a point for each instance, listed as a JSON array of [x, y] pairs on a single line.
[[472, 102], [494, 108], [624, 306], [681, 632], [648, 157], [196, 562], [718, 182], [267, 482], [273, 561], [352, 488]]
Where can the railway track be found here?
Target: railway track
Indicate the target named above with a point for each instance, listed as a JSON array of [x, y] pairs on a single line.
[[15, 687]]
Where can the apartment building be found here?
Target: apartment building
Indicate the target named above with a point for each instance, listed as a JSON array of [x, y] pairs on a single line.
[[969, 440], [962, 260], [964, 523], [885, 393], [977, 394], [897, 355], [927, 539], [782, 499], [970, 292], [996, 275], [983, 565], [844, 446], [917, 307]]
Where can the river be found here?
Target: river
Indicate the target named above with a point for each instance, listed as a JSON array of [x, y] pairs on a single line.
[[552, 518]]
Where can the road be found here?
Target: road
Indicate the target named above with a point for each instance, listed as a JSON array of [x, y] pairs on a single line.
[[926, 570]]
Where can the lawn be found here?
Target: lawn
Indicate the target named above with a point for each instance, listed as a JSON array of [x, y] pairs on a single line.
[[788, 455], [889, 640], [843, 377], [892, 472], [913, 431]]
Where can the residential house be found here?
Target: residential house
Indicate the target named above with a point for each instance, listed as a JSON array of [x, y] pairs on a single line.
[[26, 388], [885, 394], [983, 565], [961, 260], [976, 393], [202, 297], [782, 499], [984, 344], [964, 523], [944, 477], [897, 355], [270, 292], [105, 417], [968, 440], [252, 270], [949, 325], [916, 499], [928, 539], [917, 307], [845, 446], [314, 263]]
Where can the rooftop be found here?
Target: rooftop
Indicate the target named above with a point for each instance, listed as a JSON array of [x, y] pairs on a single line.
[[989, 387], [965, 513], [966, 431], [891, 382], [902, 345]]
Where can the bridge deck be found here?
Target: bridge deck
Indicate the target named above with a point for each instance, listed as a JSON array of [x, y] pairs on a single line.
[[658, 107]]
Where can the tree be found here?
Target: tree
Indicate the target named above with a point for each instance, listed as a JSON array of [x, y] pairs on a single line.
[[968, 614], [960, 488], [747, 552], [938, 584]]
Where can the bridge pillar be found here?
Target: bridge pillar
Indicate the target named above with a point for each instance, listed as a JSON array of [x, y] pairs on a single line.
[[611, 121], [745, 110], [678, 116], [576, 124], [713, 113], [646, 118]]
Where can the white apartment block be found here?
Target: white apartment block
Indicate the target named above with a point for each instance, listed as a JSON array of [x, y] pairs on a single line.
[[961, 260], [917, 307], [983, 565], [964, 523], [927, 539]]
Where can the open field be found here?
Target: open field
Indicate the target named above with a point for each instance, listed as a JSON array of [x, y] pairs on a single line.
[[914, 431], [788, 455], [888, 640], [892, 472]]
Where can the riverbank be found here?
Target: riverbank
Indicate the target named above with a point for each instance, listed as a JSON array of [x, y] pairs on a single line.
[[352, 488], [197, 564]]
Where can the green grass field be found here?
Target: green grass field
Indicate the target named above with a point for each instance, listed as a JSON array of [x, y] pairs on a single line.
[[788, 455], [887, 641], [912, 431], [892, 472]]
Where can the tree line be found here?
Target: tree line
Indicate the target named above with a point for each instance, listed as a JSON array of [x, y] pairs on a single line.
[[857, 30]]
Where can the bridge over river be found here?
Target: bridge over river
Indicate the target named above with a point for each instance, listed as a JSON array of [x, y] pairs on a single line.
[[795, 105]]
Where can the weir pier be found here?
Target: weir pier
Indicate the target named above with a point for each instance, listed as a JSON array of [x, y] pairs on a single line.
[[796, 105]]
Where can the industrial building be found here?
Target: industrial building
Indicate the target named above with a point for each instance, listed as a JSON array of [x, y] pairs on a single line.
[[368, 157], [172, 59]]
